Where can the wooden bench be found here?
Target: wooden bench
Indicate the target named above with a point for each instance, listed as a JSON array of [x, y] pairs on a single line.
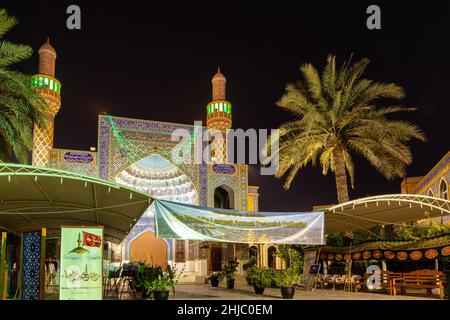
[[421, 279], [386, 280]]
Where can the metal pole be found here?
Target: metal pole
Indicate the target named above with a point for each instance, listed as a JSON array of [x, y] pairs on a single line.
[[2, 265]]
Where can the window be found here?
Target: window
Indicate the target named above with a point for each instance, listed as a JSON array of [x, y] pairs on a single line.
[[430, 193], [443, 189]]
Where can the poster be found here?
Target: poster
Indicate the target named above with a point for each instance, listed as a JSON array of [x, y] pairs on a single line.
[[189, 222], [81, 263]]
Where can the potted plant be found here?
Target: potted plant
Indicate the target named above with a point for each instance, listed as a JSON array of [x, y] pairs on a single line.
[[286, 280], [229, 272], [144, 275], [160, 287], [247, 267], [260, 278], [164, 281], [215, 278]]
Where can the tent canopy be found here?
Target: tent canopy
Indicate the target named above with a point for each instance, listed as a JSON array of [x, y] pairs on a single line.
[[33, 197], [368, 212]]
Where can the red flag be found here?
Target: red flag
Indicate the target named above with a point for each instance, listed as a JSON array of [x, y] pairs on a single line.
[[91, 240]]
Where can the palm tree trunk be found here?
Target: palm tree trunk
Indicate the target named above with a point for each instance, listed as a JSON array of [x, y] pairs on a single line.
[[341, 177]]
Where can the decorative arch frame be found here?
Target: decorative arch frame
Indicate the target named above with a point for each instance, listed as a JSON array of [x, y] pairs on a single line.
[[149, 137]]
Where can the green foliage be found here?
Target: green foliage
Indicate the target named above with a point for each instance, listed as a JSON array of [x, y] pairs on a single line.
[[153, 278], [216, 276], [286, 278], [249, 264], [335, 114], [230, 269], [417, 230], [260, 277], [20, 106], [292, 255]]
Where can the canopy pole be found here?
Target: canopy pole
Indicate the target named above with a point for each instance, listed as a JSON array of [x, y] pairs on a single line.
[[2, 265]]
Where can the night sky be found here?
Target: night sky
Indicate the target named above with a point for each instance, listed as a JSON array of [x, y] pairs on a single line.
[[141, 60]]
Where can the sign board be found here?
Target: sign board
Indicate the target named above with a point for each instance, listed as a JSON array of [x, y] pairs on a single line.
[[224, 168], [314, 268], [78, 157], [81, 263]]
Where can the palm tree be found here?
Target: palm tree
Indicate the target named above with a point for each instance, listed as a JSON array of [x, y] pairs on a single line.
[[335, 116], [20, 106]]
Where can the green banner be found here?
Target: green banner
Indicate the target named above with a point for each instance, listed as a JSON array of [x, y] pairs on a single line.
[[81, 263]]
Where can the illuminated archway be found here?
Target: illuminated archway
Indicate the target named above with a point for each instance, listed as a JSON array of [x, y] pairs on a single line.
[[161, 179]]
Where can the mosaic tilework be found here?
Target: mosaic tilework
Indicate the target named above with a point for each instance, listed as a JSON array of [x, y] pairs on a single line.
[[148, 137], [31, 274], [82, 162], [236, 181]]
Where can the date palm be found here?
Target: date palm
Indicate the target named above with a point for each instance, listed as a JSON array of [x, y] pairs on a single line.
[[20, 106], [335, 115]]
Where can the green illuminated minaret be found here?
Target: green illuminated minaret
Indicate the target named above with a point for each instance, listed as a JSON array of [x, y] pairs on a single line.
[[49, 88]]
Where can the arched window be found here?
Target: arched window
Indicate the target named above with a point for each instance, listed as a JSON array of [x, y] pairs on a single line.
[[443, 189], [271, 256], [430, 193]]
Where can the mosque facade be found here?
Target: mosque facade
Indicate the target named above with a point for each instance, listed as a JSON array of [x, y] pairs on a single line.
[[137, 154]]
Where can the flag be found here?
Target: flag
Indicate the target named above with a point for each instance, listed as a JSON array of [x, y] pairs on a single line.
[[91, 240]]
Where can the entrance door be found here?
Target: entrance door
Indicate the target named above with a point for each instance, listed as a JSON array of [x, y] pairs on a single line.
[[216, 258]]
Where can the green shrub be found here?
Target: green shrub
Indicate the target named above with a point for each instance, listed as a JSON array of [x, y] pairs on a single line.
[[259, 277], [286, 278]]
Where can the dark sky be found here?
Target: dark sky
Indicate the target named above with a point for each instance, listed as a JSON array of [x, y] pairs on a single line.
[[142, 60]]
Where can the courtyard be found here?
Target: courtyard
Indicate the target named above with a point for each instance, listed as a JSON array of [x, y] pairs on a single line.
[[244, 292]]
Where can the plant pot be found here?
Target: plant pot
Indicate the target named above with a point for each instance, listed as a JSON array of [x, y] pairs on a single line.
[[145, 295], [215, 282], [288, 293], [230, 283], [161, 295], [258, 290]]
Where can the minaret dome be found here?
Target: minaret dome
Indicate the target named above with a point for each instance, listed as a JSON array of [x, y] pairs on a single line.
[[47, 59]]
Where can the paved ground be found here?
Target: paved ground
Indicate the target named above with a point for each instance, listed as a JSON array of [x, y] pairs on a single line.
[[244, 292]]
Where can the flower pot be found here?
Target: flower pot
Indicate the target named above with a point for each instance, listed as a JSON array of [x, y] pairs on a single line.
[[288, 293], [258, 290], [145, 295], [215, 282], [161, 295], [230, 283]]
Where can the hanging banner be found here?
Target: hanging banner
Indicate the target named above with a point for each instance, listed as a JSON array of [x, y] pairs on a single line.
[[81, 263], [33, 257], [188, 222]]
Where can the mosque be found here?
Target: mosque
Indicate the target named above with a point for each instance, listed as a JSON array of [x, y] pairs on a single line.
[[137, 154]]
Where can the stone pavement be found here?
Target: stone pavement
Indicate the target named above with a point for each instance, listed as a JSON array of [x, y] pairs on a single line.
[[245, 292]]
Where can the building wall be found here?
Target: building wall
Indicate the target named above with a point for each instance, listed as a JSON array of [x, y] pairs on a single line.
[[429, 184]]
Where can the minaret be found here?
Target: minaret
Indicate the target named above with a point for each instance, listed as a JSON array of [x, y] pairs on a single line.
[[49, 88], [219, 113]]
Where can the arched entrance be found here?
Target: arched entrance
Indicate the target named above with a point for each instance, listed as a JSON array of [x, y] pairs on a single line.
[[149, 249], [223, 197], [161, 179]]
